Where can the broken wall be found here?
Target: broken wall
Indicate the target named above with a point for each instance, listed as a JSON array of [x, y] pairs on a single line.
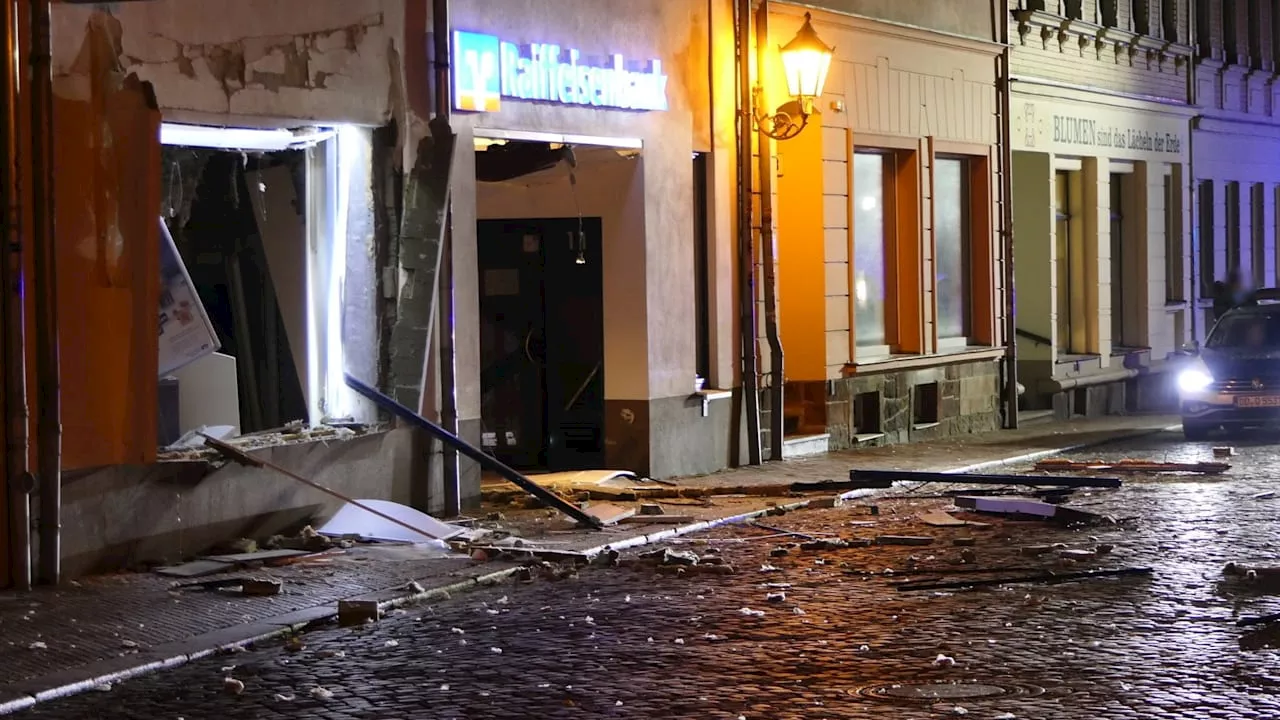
[[277, 62]]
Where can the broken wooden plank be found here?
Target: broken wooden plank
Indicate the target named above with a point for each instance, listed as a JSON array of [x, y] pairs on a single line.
[[886, 478], [942, 519], [258, 556], [659, 519], [1131, 466], [199, 568], [1048, 578], [609, 513], [904, 540]]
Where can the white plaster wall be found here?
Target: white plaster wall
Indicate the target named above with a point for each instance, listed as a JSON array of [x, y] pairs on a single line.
[[271, 62], [659, 271]]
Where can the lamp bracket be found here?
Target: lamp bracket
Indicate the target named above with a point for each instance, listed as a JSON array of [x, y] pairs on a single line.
[[784, 123]]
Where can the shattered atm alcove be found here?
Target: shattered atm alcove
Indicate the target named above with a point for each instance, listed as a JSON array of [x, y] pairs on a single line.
[[256, 313], [269, 292]]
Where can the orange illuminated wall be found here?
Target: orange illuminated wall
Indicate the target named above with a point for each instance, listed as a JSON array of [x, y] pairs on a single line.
[[801, 255]]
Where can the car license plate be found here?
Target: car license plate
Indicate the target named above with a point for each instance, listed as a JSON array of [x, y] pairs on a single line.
[[1256, 401]]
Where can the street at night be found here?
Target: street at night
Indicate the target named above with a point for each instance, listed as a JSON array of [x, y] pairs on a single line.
[[825, 635]]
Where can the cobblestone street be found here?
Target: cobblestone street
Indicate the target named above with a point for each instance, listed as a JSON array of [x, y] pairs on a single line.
[[812, 633]]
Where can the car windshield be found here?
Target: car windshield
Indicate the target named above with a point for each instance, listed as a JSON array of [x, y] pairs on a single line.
[[1257, 331]]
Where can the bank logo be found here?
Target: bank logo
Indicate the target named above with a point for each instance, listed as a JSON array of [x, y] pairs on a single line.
[[477, 86]]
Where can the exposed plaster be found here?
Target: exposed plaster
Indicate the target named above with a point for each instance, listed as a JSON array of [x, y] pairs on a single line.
[[253, 72]]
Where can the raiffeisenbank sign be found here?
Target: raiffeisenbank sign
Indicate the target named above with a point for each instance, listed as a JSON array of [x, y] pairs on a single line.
[[487, 69]]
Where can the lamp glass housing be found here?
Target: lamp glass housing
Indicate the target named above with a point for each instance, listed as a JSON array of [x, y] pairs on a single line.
[[806, 61]]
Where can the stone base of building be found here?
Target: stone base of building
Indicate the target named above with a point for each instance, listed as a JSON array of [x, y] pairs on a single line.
[[895, 406]]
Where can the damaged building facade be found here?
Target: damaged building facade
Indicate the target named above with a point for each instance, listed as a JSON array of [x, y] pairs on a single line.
[[272, 173], [278, 220]]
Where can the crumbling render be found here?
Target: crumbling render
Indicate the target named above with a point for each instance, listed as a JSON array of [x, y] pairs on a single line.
[[188, 74]]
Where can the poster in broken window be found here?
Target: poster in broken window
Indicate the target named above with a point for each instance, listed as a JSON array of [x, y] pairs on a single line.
[[186, 334]]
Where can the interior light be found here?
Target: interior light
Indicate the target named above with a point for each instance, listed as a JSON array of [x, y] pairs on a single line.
[[868, 203], [224, 138]]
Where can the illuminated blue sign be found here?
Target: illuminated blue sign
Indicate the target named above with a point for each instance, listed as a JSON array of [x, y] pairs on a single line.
[[487, 69]]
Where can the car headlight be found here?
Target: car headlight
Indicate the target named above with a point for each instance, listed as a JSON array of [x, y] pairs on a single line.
[[1194, 380]]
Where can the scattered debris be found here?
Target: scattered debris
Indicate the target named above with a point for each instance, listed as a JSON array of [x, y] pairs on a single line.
[[964, 542], [37, 645], [944, 661], [321, 693], [775, 597], [609, 513], [1131, 466], [751, 613], [1016, 506], [651, 509], [832, 544], [256, 587], [1224, 451], [1269, 495], [658, 519], [232, 686], [281, 697]]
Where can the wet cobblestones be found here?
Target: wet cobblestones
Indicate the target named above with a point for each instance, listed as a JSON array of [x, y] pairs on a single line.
[[635, 642]]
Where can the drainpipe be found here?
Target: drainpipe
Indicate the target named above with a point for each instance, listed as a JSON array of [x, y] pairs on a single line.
[[17, 475], [1004, 89], [448, 353], [767, 259], [49, 388], [746, 254]]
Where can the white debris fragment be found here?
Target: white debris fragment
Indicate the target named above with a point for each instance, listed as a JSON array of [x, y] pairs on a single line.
[[712, 637], [957, 710], [491, 611], [797, 610], [391, 643], [104, 687], [1006, 716], [128, 644], [332, 653], [768, 569], [864, 648], [775, 597], [626, 599], [650, 639], [503, 600], [618, 704], [281, 697], [321, 693], [232, 686], [495, 650], [751, 613], [444, 687], [944, 661], [589, 620], [679, 641], [457, 631], [37, 645]]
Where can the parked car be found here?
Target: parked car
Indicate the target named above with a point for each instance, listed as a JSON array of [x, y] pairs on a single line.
[[1234, 380]]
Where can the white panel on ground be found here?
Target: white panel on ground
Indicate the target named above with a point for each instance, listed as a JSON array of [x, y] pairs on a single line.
[[355, 521]]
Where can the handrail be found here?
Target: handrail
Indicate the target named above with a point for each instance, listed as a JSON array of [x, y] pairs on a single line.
[[1039, 339]]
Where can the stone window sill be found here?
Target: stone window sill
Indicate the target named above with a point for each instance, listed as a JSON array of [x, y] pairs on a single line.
[[909, 362]]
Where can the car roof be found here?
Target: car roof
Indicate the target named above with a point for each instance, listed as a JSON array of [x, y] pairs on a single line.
[[1260, 309]]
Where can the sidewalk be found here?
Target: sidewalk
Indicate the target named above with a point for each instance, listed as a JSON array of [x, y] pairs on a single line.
[[105, 629]]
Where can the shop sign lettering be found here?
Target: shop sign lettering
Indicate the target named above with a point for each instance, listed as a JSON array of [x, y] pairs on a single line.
[[487, 69], [1088, 132]]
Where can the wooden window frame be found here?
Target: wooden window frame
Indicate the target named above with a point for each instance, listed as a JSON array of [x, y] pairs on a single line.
[[984, 308]]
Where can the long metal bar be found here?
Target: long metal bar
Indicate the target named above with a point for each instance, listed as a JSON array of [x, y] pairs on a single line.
[[768, 261], [235, 454], [48, 367], [746, 253], [487, 462], [448, 349], [1047, 578], [16, 414]]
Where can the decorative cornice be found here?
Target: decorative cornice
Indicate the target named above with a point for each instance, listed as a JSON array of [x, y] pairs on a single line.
[[1126, 46]]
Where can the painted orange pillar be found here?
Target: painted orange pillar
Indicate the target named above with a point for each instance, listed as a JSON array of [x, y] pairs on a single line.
[[802, 292]]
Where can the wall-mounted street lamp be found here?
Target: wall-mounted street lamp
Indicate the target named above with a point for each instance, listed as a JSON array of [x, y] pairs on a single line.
[[805, 61]]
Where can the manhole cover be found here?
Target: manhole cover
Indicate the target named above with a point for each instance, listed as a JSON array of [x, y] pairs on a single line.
[[931, 692]]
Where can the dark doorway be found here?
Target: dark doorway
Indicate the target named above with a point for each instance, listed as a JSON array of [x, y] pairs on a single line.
[[542, 342]]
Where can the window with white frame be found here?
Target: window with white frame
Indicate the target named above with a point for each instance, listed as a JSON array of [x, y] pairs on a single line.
[[952, 262], [872, 187]]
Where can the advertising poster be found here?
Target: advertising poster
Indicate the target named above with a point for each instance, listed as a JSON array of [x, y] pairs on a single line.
[[186, 335]]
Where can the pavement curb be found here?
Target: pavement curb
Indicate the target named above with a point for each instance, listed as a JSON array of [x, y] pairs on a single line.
[[78, 680]]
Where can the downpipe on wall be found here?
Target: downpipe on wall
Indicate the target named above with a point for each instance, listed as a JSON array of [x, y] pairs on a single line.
[[746, 254], [448, 351], [48, 373], [1004, 89], [16, 414], [777, 378]]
